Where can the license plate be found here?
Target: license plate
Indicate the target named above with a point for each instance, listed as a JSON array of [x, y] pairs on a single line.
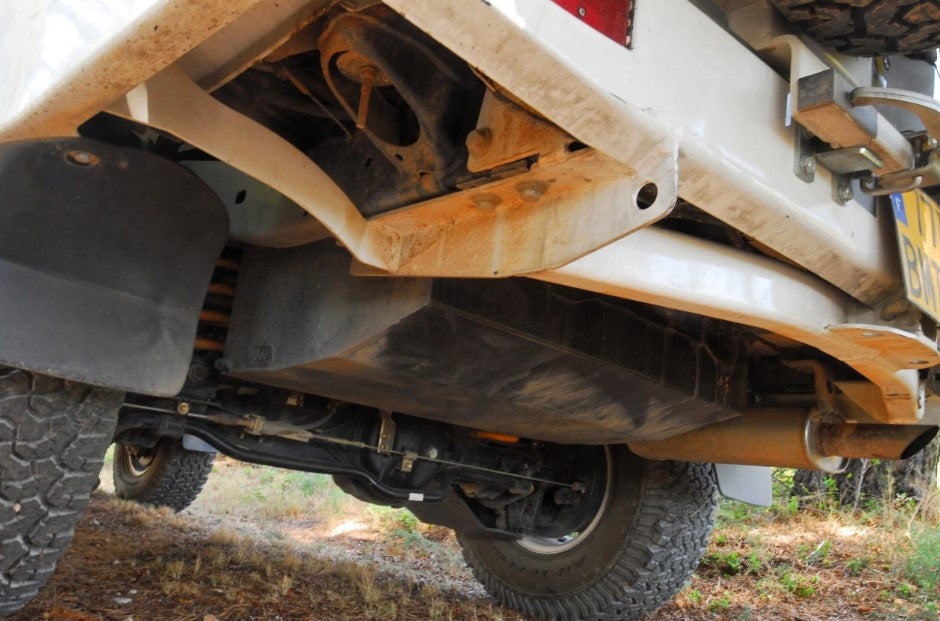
[[917, 217]]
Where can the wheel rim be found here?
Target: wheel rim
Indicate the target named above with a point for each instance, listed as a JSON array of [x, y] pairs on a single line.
[[557, 545], [138, 459]]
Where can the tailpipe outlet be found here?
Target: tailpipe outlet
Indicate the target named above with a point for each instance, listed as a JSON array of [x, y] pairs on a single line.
[[789, 438]]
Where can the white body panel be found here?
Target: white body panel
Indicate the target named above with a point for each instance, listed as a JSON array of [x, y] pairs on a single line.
[[688, 104]]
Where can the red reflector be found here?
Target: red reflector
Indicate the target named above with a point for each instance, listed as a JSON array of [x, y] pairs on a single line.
[[608, 17]]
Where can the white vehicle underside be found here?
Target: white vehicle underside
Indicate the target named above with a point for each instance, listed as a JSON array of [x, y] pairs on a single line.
[[527, 267], [720, 137]]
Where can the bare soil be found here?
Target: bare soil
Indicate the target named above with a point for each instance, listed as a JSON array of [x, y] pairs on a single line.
[[133, 563], [129, 562]]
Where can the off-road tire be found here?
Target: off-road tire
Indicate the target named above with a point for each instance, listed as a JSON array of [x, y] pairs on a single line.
[[878, 27], [651, 534], [53, 437], [173, 478]]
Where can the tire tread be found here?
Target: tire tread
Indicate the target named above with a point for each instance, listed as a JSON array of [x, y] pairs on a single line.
[[53, 436], [179, 476], [674, 521], [868, 27]]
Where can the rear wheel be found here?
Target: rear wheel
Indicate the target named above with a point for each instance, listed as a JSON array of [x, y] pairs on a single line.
[[166, 475], [53, 436], [625, 561], [868, 28]]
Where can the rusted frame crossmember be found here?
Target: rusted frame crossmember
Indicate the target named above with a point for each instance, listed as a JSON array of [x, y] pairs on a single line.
[[684, 81], [590, 198], [686, 273]]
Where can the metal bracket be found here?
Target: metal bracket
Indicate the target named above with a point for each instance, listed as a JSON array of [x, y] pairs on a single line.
[[825, 402], [804, 160], [408, 459], [849, 160], [387, 435], [506, 133], [906, 180], [192, 443], [826, 107], [170, 426], [925, 107], [925, 170]]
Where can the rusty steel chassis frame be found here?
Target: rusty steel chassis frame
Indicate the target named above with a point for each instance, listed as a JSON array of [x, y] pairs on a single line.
[[688, 108]]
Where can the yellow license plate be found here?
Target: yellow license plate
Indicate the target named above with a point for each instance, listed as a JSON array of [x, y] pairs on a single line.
[[917, 217]]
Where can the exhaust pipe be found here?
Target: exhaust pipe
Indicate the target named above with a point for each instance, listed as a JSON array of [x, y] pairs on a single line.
[[789, 438]]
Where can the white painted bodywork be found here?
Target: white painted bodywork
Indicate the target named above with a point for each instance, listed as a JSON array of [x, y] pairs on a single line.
[[677, 271], [688, 83], [688, 107], [66, 60]]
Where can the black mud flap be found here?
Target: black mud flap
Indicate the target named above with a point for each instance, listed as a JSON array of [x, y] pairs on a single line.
[[105, 256]]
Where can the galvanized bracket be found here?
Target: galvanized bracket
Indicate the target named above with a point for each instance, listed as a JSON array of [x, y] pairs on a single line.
[[925, 170], [386, 434], [825, 106], [804, 155], [408, 459], [842, 117], [906, 180], [925, 107]]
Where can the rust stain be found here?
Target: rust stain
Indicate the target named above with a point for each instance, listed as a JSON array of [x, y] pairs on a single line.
[[455, 220]]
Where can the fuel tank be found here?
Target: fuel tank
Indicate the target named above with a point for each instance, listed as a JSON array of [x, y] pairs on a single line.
[[514, 356]]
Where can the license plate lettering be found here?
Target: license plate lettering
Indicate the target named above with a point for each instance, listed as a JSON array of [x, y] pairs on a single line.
[[917, 220]]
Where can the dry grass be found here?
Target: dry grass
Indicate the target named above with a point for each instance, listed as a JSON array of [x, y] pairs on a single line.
[[818, 564], [129, 561], [275, 545]]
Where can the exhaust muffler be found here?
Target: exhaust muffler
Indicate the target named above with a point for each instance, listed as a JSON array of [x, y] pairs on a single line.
[[789, 438]]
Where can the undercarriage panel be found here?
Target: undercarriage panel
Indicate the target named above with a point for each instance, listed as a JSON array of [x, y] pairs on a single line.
[[514, 356]]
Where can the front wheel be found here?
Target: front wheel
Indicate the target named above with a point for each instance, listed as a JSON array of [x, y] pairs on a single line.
[[628, 559], [166, 475]]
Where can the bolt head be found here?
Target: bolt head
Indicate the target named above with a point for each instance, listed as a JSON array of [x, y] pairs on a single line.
[[531, 191], [198, 373], [479, 140], [808, 164], [183, 408], [427, 182], [81, 158], [582, 11], [486, 202], [845, 192], [432, 453]]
